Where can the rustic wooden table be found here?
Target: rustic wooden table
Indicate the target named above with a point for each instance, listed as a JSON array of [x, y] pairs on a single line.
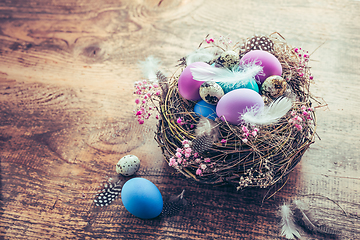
[[66, 81]]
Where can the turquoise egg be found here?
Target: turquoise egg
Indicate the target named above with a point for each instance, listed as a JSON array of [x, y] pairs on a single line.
[[250, 84], [205, 109], [229, 86], [142, 198]]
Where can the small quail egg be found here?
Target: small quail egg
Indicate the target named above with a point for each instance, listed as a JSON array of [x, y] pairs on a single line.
[[211, 92], [128, 165], [273, 86], [228, 59]]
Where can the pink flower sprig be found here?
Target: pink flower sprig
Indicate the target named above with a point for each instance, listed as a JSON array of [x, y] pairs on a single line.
[[304, 58], [225, 43], [146, 92], [180, 121], [248, 132], [185, 156], [299, 118]]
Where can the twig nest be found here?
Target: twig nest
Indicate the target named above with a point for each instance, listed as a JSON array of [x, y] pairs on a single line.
[[128, 165], [260, 43], [261, 135], [273, 86]]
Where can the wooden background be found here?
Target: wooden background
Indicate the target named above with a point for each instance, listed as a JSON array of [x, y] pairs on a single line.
[[66, 76]]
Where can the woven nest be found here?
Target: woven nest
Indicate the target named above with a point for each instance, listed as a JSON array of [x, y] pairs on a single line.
[[263, 159]]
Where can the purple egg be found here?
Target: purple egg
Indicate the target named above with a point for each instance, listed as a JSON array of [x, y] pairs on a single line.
[[188, 87], [233, 104], [271, 65]]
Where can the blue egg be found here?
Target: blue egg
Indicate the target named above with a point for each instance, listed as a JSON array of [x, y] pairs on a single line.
[[142, 198], [250, 84], [205, 109]]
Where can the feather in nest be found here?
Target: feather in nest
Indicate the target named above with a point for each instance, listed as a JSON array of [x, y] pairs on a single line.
[[206, 132], [210, 73], [149, 67], [269, 114], [164, 85], [288, 227], [200, 55]]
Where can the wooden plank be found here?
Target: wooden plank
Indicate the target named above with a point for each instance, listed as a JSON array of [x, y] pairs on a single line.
[[66, 76]]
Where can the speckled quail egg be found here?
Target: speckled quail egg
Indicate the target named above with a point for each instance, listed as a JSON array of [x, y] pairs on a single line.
[[228, 59], [266, 100], [273, 86], [128, 165], [211, 92]]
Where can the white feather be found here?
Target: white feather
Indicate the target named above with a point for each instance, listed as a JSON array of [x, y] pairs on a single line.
[[269, 114], [207, 126], [200, 55], [149, 67], [287, 224], [210, 73]]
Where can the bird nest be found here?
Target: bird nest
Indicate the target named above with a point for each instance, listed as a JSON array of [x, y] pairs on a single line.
[[245, 155]]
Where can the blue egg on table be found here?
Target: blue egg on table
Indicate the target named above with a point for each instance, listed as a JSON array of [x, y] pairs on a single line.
[[205, 109], [229, 86], [142, 198]]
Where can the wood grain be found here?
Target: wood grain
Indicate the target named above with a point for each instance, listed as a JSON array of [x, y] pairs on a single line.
[[66, 76]]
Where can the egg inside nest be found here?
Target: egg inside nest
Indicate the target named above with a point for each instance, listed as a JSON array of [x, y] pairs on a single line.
[[211, 92], [273, 86]]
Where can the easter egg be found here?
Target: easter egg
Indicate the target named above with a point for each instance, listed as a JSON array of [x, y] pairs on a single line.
[[211, 92], [188, 86], [273, 86], [271, 65], [142, 198], [228, 59], [128, 165], [205, 109], [235, 103], [229, 86]]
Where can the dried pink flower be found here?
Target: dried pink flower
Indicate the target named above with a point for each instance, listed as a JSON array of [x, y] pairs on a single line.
[[185, 142]]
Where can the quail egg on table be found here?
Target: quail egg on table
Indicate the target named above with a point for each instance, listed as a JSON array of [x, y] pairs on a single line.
[[128, 165], [211, 92]]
